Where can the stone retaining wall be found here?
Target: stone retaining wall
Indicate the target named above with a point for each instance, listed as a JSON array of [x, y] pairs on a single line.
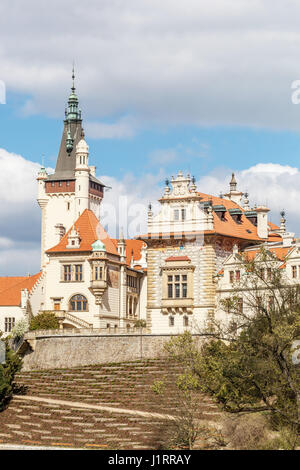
[[67, 350]]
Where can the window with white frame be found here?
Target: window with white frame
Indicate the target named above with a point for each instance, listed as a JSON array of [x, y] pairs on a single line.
[[179, 214], [72, 273]]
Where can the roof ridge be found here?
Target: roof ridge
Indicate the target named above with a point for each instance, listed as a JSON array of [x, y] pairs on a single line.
[[24, 278]]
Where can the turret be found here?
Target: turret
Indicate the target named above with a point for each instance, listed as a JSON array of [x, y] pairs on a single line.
[[122, 247], [82, 172], [42, 200]]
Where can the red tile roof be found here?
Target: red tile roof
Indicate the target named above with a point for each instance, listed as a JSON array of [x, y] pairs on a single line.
[[132, 247], [229, 227], [245, 229], [89, 229], [280, 252], [10, 288], [178, 258]]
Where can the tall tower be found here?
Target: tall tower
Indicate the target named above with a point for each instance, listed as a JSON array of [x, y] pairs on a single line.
[[73, 186], [82, 174]]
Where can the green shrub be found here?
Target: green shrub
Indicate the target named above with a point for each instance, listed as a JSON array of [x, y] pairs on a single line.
[[44, 321], [20, 328], [7, 374]]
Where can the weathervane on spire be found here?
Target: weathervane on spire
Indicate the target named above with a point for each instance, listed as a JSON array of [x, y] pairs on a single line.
[[73, 78]]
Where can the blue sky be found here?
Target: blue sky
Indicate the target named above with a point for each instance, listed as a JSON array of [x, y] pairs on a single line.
[[196, 149], [204, 87]]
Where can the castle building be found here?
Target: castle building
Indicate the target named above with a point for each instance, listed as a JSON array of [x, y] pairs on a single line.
[[188, 242], [173, 276], [87, 279]]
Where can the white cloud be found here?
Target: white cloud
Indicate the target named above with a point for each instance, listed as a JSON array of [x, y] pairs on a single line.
[[276, 186], [212, 62], [19, 215], [123, 128], [125, 206], [163, 156]]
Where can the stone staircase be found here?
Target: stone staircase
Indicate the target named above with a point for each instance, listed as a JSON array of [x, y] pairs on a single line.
[[124, 386]]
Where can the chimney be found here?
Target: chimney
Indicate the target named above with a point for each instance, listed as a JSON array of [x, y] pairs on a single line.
[[287, 238], [262, 221]]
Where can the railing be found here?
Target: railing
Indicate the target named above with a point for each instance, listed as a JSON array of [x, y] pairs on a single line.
[[76, 320], [87, 332], [16, 343]]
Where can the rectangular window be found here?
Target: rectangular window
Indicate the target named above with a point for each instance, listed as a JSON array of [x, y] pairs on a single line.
[[231, 277], [185, 321], [171, 321], [240, 305], [67, 272], [177, 286], [183, 214], [9, 324], [176, 214], [237, 275], [269, 273], [78, 272], [294, 271], [98, 273]]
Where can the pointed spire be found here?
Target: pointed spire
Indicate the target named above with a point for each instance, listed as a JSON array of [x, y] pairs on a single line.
[[233, 183], [73, 114], [73, 78]]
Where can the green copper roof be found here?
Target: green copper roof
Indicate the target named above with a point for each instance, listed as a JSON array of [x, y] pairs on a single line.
[[73, 113], [98, 245]]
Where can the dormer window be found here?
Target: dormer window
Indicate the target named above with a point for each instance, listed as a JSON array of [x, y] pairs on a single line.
[[236, 214], [73, 239], [220, 210]]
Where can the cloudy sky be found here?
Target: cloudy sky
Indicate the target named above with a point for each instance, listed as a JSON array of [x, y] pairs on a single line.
[[205, 86]]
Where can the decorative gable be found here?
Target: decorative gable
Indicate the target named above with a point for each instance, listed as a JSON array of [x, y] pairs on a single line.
[[73, 239]]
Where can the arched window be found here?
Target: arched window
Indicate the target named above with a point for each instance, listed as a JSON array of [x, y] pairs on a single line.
[[78, 303]]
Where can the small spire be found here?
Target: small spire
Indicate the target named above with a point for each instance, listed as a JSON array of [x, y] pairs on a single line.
[[73, 78], [121, 234], [233, 183], [282, 221], [246, 201]]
